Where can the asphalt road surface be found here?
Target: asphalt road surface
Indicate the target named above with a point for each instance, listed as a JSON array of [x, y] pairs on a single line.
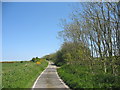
[[50, 79]]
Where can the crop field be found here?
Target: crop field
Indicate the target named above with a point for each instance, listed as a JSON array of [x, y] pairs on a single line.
[[21, 74]]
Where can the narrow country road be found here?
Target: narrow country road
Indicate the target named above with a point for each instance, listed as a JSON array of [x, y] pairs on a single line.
[[49, 79]]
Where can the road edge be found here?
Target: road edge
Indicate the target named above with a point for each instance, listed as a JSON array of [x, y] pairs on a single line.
[[62, 81], [40, 76]]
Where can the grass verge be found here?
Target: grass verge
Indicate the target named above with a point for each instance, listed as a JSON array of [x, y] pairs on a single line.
[[77, 76]]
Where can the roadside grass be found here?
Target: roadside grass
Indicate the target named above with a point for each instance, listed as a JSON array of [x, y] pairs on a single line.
[[79, 76], [21, 75]]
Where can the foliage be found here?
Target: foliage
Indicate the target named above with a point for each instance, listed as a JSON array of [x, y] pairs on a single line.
[[50, 56], [35, 59], [70, 52], [95, 27]]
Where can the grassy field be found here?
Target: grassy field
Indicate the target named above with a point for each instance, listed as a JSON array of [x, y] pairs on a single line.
[[78, 76], [21, 74]]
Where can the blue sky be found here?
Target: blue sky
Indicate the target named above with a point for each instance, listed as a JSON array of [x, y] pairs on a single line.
[[30, 29]]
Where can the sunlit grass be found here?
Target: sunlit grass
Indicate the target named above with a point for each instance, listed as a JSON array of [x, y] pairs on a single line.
[[78, 76], [21, 75]]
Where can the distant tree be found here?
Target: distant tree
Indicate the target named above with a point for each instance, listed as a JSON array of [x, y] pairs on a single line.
[[35, 59]]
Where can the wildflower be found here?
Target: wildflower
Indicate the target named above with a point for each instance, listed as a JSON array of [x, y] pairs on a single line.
[[38, 62]]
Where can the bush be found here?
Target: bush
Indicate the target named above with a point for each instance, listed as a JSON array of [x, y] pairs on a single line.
[[21, 61]]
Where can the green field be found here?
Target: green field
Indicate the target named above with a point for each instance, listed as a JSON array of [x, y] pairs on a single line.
[[21, 75]]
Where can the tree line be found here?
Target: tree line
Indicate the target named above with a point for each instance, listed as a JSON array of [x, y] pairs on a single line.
[[91, 37]]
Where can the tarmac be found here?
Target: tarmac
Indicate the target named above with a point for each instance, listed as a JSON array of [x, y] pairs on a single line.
[[49, 79]]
